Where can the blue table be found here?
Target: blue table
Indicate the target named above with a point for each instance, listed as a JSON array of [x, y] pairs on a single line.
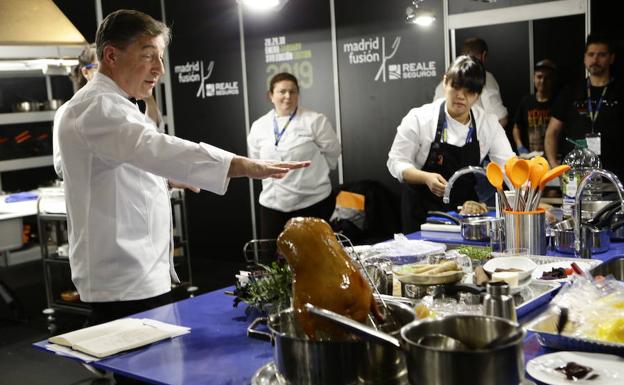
[[218, 351]]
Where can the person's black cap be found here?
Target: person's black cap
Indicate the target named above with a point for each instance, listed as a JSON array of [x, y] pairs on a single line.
[[545, 64]]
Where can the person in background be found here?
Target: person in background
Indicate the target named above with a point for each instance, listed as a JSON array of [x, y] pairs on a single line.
[[116, 167], [437, 139], [490, 99], [294, 133], [80, 75], [591, 110], [533, 112]]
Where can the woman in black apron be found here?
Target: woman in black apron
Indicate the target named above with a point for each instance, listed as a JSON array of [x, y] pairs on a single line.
[[437, 139]]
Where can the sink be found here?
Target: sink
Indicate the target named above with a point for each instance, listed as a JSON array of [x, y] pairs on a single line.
[[614, 267]]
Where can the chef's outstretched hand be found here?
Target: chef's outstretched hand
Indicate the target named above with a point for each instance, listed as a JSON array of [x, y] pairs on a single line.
[[262, 169], [436, 183]]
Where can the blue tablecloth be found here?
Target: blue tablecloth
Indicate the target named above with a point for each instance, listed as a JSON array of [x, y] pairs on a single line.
[[218, 351]]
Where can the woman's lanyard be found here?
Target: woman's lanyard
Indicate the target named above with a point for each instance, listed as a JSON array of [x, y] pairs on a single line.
[[471, 129], [593, 115], [276, 132]]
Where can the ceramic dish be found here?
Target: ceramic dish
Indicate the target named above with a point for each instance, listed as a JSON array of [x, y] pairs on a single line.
[[521, 263], [609, 368], [539, 271]]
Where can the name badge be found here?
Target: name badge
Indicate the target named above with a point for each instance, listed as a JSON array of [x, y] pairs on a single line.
[[593, 142]]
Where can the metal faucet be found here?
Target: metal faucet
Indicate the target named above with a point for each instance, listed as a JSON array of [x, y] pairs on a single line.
[[466, 170], [580, 242]]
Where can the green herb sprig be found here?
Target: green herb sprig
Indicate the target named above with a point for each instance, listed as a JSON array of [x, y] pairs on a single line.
[[269, 288]]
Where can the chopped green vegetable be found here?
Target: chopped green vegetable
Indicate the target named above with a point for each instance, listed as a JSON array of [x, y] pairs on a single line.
[[476, 252]]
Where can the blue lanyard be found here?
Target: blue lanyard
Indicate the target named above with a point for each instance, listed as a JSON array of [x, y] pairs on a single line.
[[471, 130], [276, 132], [593, 116]]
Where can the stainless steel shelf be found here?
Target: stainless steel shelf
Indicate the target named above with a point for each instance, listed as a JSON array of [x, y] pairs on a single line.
[[25, 163], [26, 117]]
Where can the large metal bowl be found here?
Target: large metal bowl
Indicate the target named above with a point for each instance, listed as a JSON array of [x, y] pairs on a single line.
[[501, 365]]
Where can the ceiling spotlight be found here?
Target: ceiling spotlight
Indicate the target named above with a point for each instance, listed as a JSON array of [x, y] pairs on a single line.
[[415, 14], [263, 5]]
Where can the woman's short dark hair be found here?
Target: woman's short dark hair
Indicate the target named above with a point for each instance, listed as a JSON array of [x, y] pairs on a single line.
[[281, 77], [122, 27], [466, 72], [86, 58]]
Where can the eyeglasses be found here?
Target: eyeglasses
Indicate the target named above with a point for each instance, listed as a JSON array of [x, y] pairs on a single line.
[[91, 65]]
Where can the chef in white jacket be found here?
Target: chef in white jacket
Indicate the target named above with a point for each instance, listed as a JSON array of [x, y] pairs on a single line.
[[291, 132], [116, 167]]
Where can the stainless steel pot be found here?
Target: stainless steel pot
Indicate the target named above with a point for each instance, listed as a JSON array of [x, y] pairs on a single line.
[[52, 104], [499, 365], [472, 228], [303, 362], [597, 239], [26, 106]]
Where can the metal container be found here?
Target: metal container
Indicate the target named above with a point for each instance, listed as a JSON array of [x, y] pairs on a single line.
[[500, 365], [614, 267], [384, 364], [598, 240], [301, 361], [498, 302], [526, 230], [476, 229], [26, 106], [304, 362], [52, 104]]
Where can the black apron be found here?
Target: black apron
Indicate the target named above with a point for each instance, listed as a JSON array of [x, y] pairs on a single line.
[[444, 159]]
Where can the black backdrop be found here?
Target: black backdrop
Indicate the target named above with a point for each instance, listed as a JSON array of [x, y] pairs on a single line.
[[372, 103], [207, 32], [370, 110]]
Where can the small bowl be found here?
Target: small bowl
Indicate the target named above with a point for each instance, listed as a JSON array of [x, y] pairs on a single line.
[[521, 263]]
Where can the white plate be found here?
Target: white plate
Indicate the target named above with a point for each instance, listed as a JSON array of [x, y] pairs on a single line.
[[521, 263], [537, 273], [610, 368]]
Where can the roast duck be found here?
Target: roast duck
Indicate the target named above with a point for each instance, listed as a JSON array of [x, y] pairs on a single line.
[[325, 276]]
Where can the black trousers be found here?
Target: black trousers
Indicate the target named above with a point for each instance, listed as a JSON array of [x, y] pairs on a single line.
[[272, 221], [102, 312], [108, 311]]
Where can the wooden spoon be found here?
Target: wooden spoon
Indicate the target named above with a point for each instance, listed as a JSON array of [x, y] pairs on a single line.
[[519, 175], [495, 176]]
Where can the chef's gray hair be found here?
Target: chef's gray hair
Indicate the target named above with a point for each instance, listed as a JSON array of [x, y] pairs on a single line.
[[122, 27]]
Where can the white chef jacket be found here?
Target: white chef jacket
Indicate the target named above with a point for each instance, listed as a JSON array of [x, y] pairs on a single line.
[[309, 136], [418, 128], [490, 98], [56, 152], [119, 215]]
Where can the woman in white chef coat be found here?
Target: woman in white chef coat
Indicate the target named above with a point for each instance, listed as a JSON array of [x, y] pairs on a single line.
[[439, 138], [291, 132]]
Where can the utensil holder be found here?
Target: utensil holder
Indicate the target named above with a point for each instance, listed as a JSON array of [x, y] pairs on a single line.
[[526, 229]]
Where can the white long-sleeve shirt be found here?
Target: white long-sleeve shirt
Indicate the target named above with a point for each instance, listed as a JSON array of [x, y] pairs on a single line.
[[418, 128], [56, 151], [115, 164], [309, 136], [490, 99]]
